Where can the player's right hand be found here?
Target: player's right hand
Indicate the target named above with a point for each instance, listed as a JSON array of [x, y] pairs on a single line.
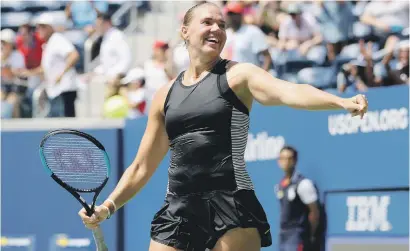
[[92, 222]]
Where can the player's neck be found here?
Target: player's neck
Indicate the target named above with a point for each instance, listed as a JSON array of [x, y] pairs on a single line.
[[198, 67]]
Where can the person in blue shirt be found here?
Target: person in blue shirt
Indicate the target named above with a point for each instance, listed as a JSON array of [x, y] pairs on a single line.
[[84, 13]]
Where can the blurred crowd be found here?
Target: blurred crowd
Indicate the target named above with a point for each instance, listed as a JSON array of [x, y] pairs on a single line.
[[338, 46]]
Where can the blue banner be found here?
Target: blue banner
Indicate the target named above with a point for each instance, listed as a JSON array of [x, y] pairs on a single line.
[[35, 206]]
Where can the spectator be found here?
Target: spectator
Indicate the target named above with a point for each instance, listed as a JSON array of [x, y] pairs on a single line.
[[84, 13], [269, 21], [398, 73], [387, 17], [156, 70], [245, 42], [250, 11], [358, 74], [299, 206], [298, 32], [336, 20], [57, 64], [12, 64], [135, 92], [30, 45], [115, 53]]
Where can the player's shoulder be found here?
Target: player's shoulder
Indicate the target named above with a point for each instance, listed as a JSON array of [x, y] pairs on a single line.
[[237, 68], [161, 95]]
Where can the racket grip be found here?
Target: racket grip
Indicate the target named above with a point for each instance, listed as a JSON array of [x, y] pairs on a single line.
[[99, 239]]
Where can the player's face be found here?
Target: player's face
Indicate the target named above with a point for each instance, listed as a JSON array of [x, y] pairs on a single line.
[[286, 160], [206, 32]]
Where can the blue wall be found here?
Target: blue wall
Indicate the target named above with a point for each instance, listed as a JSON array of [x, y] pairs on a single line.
[[337, 152], [35, 205]]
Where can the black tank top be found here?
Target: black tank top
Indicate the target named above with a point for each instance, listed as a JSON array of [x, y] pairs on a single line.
[[207, 126]]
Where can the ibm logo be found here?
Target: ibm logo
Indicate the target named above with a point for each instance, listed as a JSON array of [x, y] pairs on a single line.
[[368, 213]]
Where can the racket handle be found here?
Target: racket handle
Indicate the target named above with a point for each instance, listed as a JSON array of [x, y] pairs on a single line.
[[99, 239]]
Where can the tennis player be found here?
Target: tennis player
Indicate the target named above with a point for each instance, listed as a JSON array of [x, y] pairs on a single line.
[[203, 116]]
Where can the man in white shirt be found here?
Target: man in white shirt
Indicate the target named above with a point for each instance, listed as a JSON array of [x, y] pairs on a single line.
[[115, 61], [115, 53], [245, 43], [299, 203], [57, 65]]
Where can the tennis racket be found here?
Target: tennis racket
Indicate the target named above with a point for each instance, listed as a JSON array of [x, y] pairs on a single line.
[[78, 163]]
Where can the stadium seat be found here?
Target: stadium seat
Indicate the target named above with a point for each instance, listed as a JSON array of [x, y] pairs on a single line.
[[35, 6], [315, 76], [13, 20], [350, 51], [317, 54], [333, 91], [11, 6], [359, 8], [290, 62], [361, 30], [290, 77], [60, 18], [77, 37]]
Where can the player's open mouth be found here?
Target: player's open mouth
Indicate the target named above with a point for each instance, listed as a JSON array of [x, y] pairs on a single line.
[[212, 40]]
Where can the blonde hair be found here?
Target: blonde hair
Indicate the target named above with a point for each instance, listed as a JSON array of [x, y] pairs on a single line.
[[189, 15]]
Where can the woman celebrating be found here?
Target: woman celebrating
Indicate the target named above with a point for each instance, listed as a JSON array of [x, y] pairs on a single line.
[[203, 116]]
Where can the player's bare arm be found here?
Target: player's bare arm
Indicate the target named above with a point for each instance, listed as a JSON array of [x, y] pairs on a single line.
[[251, 82], [154, 146]]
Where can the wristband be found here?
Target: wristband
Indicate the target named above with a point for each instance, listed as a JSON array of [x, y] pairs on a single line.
[[113, 204], [109, 213]]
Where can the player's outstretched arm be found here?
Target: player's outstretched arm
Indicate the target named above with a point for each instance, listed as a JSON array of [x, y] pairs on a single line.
[[268, 90], [154, 146]]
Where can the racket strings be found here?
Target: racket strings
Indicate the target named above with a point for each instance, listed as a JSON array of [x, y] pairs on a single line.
[[75, 160]]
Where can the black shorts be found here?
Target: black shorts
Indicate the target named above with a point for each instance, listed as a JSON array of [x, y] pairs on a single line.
[[197, 221]]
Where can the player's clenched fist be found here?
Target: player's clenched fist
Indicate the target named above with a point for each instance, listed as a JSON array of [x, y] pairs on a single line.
[[357, 105], [100, 214]]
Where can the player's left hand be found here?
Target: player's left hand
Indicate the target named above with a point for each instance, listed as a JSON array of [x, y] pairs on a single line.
[[100, 214], [357, 105]]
